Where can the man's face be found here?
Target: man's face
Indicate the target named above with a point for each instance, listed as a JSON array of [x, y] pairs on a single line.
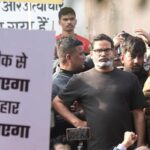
[[78, 59], [62, 147], [133, 64], [102, 54], [68, 22]]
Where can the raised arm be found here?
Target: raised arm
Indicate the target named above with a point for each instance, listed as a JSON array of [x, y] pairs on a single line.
[[129, 139], [144, 35]]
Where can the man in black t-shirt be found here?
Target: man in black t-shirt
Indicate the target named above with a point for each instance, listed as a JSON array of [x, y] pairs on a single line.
[[71, 58], [107, 95]]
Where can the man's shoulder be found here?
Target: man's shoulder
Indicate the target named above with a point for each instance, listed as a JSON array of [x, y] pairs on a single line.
[[86, 43], [56, 78], [59, 76], [124, 72], [60, 80], [81, 38], [56, 75], [58, 36], [85, 74]]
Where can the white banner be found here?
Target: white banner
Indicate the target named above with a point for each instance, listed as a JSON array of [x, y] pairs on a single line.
[[25, 88], [38, 16], [39, 1], [17, 15]]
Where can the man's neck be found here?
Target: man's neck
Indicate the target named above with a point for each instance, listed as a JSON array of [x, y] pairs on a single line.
[[65, 67], [127, 69], [66, 34], [105, 69]]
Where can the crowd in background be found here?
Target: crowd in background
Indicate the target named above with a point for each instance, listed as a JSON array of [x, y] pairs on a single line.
[[102, 86]]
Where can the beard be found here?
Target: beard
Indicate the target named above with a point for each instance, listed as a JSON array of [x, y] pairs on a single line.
[[103, 64], [138, 71]]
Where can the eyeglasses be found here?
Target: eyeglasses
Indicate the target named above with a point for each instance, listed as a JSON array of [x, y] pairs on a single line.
[[102, 50]]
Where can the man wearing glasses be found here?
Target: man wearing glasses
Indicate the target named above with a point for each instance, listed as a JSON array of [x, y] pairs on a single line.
[[108, 96]]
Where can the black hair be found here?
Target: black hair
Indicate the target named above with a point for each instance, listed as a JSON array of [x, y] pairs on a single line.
[[125, 35], [135, 46], [66, 11], [102, 37], [61, 139], [67, 45]]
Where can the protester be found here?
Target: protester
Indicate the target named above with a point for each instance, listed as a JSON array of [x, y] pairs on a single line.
[[129, 139], [119, 38], [146, 91], [61, 143], [143, 34], [71, 60], [107, 95], [68, 21], [146, 37], [133, 50], [146, 88], [118, 41]]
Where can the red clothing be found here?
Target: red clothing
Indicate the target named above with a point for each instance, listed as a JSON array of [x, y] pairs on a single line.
[[86, 42]]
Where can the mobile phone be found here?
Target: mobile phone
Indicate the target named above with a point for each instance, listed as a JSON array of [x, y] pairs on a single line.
[[77, 134]]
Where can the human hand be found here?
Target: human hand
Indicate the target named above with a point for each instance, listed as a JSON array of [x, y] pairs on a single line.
[[75, 107], [118, 39], [143, 34], [129, 139], [80, 123]]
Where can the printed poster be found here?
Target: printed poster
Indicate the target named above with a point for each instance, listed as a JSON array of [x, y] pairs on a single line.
[[25, 88], [38, 1]]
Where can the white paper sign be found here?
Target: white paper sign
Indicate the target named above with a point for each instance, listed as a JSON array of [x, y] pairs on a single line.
[[25, 88], [18, 15], [38, 1]]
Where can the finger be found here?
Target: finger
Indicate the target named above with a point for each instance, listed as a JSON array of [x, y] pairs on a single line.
[[139, 30]]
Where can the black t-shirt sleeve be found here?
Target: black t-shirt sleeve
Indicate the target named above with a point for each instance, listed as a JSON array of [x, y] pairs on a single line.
[[137, 99], [71, 91], [55, 90]]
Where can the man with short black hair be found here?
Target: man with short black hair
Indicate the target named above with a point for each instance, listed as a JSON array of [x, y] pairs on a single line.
[[61, 143], [133, 51], [71, 61], [68, 21]]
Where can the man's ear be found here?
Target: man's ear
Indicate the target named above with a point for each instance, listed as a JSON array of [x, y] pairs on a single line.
[[91, 53], [59, 22], [68, 57], [113, 53], [76, 22]]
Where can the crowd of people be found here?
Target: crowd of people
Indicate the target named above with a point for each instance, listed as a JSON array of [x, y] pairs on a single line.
[[102, 85]]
